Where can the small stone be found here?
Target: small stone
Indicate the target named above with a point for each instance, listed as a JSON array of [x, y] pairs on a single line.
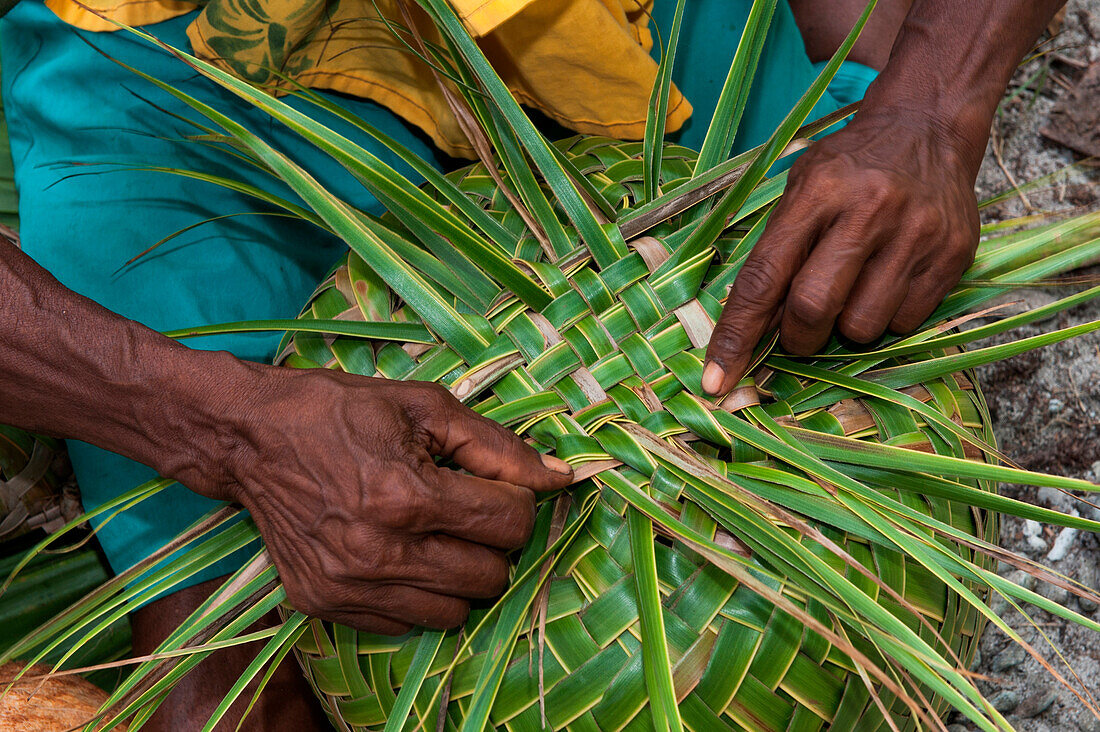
[[1088, 577], [977, 662], [1010, 657], [1056, 405], [1058, 594], [955, 728], [1037, 703], [1023, 579], [1005, 701], [1056, 499], [1093, 512], [999, 606], [1062, 544], [1033, 531]]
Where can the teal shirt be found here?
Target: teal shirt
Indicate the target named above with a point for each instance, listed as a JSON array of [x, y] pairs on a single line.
[[68, 104]]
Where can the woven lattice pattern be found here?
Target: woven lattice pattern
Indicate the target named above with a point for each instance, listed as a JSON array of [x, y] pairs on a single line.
[[610, 366], [31, 493]]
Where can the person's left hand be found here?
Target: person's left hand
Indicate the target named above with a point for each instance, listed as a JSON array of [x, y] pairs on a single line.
[[878, 223]]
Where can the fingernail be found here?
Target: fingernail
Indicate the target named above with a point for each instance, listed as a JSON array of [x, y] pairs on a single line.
[[556, 464], [713, 377]]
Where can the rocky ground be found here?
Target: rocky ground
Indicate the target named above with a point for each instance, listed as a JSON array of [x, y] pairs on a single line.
[[1046, 404]]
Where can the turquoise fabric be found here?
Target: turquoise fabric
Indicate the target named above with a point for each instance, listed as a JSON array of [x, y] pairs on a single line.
[[709, 33], [67, 104], [850, 82]]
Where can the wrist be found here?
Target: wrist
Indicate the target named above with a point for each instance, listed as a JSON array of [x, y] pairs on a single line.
[[191, 408], [958, 127], [950, 63], [70, 368]]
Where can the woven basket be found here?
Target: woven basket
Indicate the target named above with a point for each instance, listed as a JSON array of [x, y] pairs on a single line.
[[610, 357], [36, 490]]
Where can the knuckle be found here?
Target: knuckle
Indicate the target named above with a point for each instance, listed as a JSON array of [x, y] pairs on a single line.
[[798, 342], [860, 328], [526, 522], [500, 441], [404, 508], [366, 623], [382, 598], [392, 628], [403, 515], [825, 176], [336, 572], [907, 322], [881, 190], [726, 337], [809, 308], [816, 168], [755, 284], [453, 614], [927, 228], [437, 395], [425, 401], [303, 601], [332, 592], [359, 566], [960, 255], [802, 166]]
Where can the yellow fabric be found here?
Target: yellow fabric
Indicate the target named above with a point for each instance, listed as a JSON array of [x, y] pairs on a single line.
[[483, 16], [584, 63]]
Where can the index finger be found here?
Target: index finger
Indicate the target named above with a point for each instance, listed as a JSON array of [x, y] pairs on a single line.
[[757, 293], [488, 512]]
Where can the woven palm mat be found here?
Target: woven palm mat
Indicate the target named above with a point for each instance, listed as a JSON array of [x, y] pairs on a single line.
[[37, 490], [612, 362]]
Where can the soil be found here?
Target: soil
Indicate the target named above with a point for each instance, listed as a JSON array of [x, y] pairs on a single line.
[[1046, 404]]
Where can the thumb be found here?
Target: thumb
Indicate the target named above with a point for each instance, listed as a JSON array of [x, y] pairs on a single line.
[[490, 450]]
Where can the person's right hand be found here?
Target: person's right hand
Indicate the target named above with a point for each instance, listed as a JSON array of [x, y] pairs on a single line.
[[365, 529]]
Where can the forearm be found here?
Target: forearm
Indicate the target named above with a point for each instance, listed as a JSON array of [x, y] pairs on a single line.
[[951, 63], [70, 368]]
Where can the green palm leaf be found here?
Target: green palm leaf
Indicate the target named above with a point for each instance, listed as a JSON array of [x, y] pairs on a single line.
[[814, 551]]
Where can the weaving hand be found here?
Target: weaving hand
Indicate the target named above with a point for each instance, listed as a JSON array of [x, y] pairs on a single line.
[[879, 221], [878, 224], [338, 472]]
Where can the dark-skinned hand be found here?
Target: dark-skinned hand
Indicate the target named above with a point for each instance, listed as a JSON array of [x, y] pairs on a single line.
[[879, 221], [338, 472]]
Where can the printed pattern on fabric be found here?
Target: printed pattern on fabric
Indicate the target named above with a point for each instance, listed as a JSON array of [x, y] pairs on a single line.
[[601, 47]]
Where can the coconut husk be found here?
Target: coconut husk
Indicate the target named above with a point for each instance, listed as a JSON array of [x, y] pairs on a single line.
[[51, 705]]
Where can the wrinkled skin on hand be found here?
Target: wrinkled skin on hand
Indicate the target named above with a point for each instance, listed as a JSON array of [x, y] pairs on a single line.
[[878, 223], [338, 472]]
